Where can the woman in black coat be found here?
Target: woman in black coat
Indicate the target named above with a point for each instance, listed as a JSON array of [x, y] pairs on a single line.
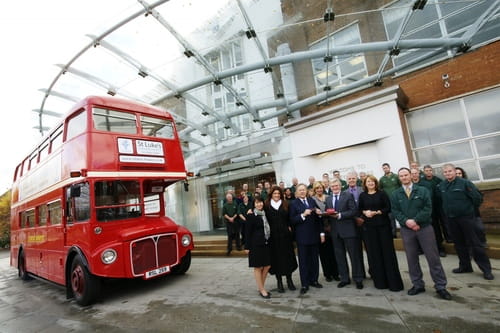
[[375, 206], [283, 260], [257, 246]]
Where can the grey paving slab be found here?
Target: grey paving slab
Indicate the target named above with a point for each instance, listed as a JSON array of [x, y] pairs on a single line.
[[219, 295]]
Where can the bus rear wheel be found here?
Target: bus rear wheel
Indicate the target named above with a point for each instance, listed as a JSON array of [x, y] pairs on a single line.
[[21, 267], [84, 285]]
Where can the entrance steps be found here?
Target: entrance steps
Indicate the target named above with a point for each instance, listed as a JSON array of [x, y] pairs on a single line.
[[216, 246]]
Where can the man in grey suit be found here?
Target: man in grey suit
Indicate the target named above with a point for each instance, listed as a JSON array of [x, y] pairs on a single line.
[[344, 235]]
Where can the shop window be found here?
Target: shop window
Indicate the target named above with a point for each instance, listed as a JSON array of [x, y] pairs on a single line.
[[465, 131]]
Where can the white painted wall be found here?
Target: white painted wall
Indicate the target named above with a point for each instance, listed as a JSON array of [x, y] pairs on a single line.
[[360, 140]]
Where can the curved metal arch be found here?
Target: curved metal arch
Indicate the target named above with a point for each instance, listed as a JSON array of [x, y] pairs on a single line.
[[104, 34]]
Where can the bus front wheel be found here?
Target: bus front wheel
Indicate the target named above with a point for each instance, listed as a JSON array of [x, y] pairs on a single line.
[[84, 285], [183, 265], [21, 267]]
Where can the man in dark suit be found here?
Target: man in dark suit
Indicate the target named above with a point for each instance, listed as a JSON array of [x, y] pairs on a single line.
[[308, 234], [344, 234]]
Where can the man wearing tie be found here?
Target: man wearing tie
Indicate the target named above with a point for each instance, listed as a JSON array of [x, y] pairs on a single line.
[[344, 234], [308, 234], [412, 207]]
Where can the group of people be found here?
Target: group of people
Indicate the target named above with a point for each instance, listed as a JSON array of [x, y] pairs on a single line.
[[331, 219]]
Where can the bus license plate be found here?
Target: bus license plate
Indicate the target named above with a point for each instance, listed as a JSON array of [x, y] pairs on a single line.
[[156, 272]]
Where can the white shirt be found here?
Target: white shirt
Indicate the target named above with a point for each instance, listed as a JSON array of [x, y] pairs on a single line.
[[276, 204]]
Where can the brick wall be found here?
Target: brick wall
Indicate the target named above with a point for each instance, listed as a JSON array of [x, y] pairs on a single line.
[[475, 70]]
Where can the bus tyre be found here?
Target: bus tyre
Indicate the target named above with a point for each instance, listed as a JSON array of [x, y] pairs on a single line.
[[21, 267], [184, 264], [85, 286]]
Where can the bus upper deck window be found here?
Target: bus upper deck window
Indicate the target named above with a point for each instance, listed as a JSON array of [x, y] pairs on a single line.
[[160, 128], [114, 121]]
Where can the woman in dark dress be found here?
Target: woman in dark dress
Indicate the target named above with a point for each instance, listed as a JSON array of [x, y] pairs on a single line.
[[374, 206], [257, 246], [283, 260]]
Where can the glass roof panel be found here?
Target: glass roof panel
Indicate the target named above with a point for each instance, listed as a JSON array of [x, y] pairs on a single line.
[[219, 64]]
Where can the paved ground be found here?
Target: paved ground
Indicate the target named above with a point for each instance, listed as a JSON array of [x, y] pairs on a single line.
[[219, 295]]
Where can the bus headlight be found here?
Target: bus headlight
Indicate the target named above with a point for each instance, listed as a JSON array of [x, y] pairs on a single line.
[[186, 240], [108, 256]]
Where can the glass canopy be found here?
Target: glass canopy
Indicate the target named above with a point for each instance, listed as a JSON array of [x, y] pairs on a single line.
[[231, 68]]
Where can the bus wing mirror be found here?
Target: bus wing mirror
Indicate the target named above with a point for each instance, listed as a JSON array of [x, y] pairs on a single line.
[[75, 191]]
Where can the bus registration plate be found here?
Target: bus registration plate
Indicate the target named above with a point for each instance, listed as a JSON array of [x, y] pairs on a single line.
[[156, 272]]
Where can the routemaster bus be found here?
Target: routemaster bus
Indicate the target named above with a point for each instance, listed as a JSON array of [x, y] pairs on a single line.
[[88, 202]]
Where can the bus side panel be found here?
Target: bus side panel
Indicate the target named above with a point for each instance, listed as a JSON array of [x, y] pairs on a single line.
[[104, 156], [75, 152], [43, 259], [80, 234], [56, 253], [31, 254], [14, 238]]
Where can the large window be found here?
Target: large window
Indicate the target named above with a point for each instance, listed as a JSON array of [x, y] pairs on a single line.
[[76, 125], [451, 18], [160, 128], [464, 131], [114, 121], [222, 100], [55, 212], [117, 200], [78, 202], [342, 69]]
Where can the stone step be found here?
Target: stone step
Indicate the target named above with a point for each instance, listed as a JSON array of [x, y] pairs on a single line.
[[216, 246]]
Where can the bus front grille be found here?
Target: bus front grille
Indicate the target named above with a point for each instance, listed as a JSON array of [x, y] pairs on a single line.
[[153, 252]]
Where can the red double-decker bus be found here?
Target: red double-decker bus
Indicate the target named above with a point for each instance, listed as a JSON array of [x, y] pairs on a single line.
[[88, 202]]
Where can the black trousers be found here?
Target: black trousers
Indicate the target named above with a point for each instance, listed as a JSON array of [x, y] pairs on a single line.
[[233, 233], [327, 258], [465, 236]]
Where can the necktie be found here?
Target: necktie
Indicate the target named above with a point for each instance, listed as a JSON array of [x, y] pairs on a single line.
[[336, 201], [305, 202], [408, 191]]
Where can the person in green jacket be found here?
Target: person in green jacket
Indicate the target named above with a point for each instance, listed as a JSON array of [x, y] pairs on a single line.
[[388, 183], [460, 198], [429, 185], [412, 206]]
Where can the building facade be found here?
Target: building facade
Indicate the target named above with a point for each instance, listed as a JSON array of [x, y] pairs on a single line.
[[433, 105]]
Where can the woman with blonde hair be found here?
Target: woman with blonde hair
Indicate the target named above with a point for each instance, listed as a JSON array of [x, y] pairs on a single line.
[[326, 252]]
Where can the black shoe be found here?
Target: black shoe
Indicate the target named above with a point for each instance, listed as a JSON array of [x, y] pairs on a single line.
[[266, 296], [228, 252], [442, 254], [289, 283], [461, 270], [359, 285], [329, 278], [415, 290], [444, 294], [281, 289], [316, 284], [488, 276], [304, 290], [343, 284]]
